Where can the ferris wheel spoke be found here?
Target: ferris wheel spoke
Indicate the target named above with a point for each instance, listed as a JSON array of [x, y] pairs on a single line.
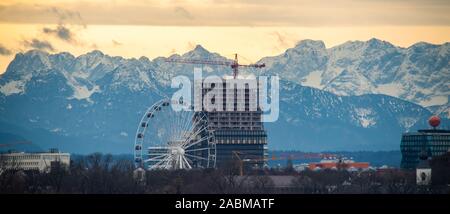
[[193, 122], [196, 125], [164, 161], [196, 142], [195, 156], [180, 122], [157, 164], [166, 158], [182, 162], [173, 128], [178, 129], [168, 126], [187, 162], [179, 134], [153, 160], [168, 164], [183, 123], [198, 119], [194, 135], [193, 150], [156, 158], [186, 120], [157, 153]]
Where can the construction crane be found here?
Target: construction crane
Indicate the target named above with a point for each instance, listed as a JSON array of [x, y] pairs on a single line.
[[233, 64], [241, 160]]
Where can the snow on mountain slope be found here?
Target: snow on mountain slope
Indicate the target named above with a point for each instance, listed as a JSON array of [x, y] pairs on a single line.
[[80, 72], [350, 83], [419, 73], [441, 110], [15, 86]]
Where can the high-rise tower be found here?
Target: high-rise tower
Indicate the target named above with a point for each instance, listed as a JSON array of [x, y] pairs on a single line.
[[237, 123]]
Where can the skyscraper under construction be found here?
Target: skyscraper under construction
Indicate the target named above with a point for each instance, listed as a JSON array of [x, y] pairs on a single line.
[[238, 130]]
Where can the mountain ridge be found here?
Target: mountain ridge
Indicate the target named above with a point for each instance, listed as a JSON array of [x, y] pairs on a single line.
[[419, 73], [94, 101]]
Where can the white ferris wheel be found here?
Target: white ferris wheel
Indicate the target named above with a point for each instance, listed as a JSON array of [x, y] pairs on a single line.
[[169, 139]]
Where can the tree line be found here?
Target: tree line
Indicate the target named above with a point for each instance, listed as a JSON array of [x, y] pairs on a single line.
[[103, 174]]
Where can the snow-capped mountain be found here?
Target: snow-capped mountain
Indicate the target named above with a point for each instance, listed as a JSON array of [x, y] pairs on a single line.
[[93, 102], [312, 118], [419, 73]]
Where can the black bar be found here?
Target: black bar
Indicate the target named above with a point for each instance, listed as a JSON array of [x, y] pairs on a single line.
[[114, 203]]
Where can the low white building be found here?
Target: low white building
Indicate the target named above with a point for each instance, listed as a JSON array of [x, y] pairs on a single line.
[[34, 161], [300, 167]]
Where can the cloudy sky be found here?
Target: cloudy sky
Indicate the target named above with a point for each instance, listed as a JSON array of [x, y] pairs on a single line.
[[252, 28]]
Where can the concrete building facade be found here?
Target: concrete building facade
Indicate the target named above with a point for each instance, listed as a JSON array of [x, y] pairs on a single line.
[[34, 161]]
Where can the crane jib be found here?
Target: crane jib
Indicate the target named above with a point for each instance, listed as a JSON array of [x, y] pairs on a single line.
[[233, 64]]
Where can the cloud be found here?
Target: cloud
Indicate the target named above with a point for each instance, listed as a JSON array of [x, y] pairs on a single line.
[[183, 13], [60, 32], [67, 15], [94, 46], [300, 13], [4, 51], [39, 44], [39, 13], [116, 43], [191, 45], [64, 17], [283, 40]]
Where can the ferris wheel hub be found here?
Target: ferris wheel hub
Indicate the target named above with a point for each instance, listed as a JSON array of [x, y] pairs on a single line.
[[178, 150]]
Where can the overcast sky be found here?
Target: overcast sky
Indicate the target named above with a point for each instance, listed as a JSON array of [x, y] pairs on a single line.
[[253, 28]]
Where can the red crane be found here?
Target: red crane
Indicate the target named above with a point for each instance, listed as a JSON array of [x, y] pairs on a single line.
[[233, 64]]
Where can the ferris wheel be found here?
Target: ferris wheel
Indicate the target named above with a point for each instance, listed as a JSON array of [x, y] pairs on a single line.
[[169, 139]]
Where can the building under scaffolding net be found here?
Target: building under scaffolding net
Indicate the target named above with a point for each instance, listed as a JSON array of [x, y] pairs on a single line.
[[237, 128]]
